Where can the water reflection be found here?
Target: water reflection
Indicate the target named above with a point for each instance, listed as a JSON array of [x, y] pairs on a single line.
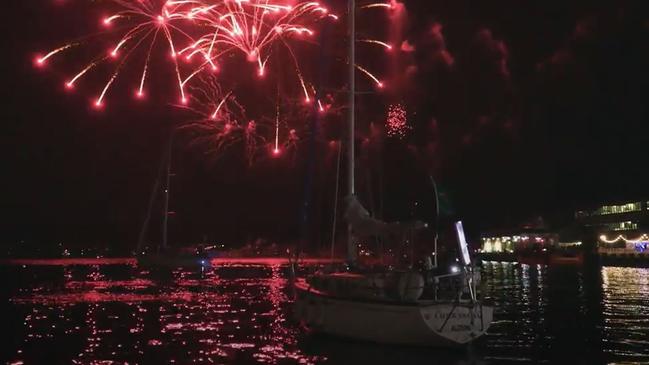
[[240, 313], [626, 312]]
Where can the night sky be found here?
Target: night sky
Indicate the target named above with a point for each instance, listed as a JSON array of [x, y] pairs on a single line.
[[518, 108]]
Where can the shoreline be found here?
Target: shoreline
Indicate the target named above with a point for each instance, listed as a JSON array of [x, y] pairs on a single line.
[[81, 261]]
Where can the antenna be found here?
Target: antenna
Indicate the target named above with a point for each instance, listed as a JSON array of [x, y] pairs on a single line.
[[463, 245]]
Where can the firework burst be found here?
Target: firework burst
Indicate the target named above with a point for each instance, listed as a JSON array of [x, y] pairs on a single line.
[[197, 38], [397, 121], [206, 30]]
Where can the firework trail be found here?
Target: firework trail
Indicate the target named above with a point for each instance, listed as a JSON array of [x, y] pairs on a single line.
[[220, 122], [375, 42]]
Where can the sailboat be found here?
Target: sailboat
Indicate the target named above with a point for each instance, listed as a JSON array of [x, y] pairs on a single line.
[[423, 305], [163, 255]]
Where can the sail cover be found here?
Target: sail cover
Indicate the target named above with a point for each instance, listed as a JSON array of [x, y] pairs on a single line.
[[363, 224]]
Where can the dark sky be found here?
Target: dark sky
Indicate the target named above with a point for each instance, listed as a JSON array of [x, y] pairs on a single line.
[[518, 108]]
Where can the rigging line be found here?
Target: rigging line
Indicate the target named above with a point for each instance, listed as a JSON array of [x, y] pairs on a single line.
[[333, 229]]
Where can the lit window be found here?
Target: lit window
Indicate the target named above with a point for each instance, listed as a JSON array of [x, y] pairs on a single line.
[[616, 209], [498, 247], [487, 247], [622, 226]]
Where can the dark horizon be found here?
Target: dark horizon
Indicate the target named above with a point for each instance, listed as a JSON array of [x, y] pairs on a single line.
[[518, 110]]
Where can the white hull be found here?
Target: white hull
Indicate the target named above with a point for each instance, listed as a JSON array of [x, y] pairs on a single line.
[[422, 323]]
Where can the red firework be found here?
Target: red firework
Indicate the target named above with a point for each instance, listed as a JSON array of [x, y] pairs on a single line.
[[197, 36], [209, 29], [397, 121]]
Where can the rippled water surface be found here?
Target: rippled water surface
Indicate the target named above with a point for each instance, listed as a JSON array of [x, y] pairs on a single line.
[[112, 312]]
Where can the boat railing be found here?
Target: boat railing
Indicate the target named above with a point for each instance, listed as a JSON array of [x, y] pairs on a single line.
[[461, 286]]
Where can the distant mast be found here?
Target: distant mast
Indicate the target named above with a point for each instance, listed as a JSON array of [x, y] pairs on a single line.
[[351, 248], [165, 217]]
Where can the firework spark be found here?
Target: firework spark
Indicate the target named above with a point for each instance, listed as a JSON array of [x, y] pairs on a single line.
[[397, 121]]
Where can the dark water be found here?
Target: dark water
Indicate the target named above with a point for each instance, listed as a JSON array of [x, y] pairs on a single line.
[[115, 313]]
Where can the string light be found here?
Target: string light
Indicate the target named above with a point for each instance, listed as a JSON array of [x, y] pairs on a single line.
[[642, 238]]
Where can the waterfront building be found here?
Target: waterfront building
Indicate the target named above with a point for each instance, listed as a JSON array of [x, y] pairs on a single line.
[[518, 240], [619, 228]]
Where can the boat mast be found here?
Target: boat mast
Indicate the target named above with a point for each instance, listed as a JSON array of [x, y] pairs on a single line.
[[165, 218], [351, 248], [145, 224], [432, 180], [154, 193]]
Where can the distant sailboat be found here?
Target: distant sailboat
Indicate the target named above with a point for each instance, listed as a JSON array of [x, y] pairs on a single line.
[[413, 306], [163, 255]]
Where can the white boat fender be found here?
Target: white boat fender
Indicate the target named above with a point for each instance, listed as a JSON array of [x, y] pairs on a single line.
[[410, 286]]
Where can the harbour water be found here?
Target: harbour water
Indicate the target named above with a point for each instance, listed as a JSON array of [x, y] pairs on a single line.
[[112, 312]]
